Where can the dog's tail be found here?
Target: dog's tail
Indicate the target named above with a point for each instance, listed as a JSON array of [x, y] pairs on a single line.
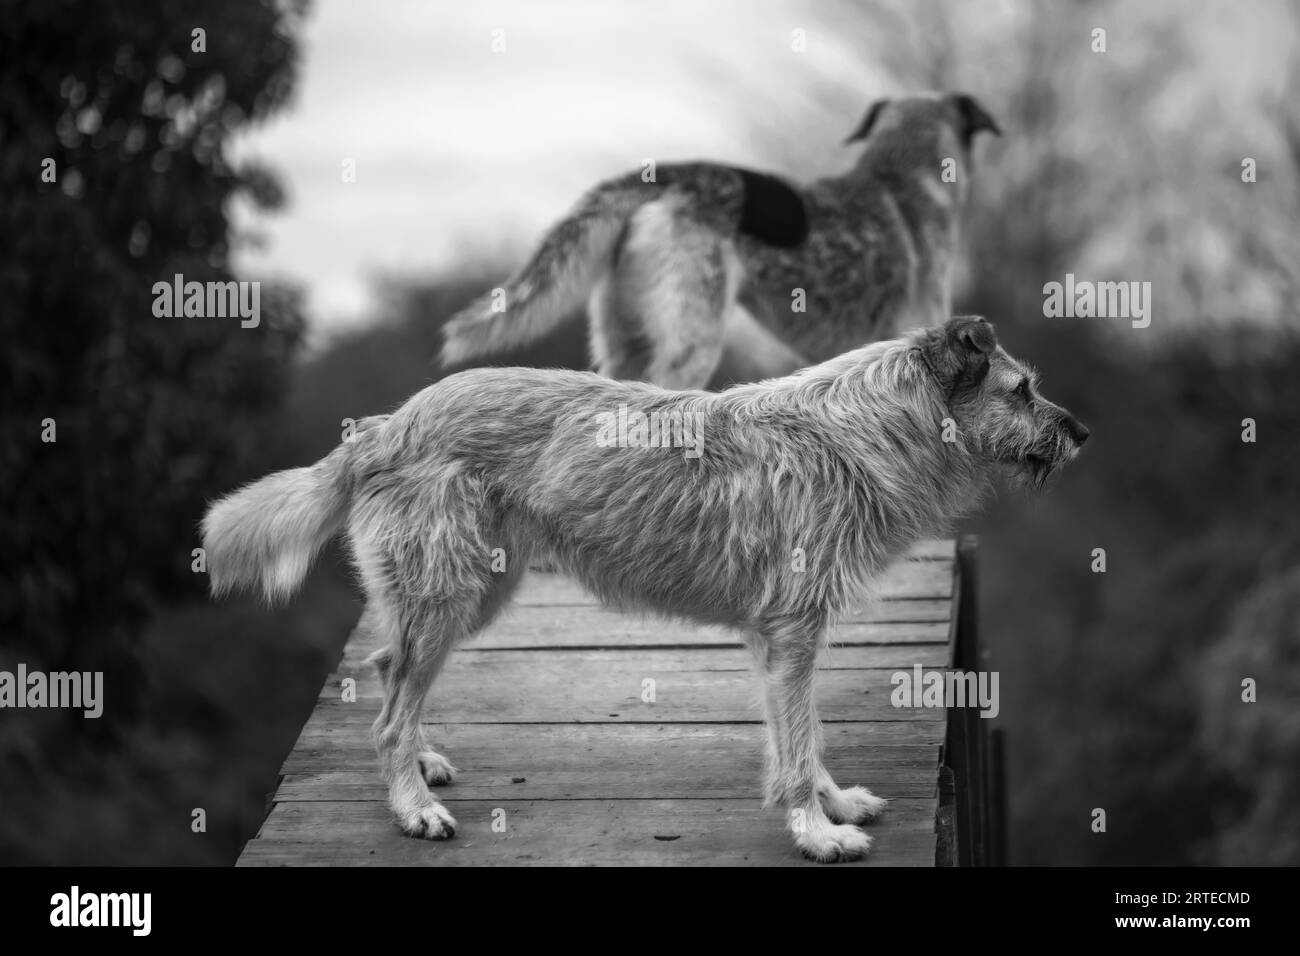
[[556, 280], [266, 534]]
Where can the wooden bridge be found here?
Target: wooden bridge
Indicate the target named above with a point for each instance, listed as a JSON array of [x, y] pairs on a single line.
[[589, 737]]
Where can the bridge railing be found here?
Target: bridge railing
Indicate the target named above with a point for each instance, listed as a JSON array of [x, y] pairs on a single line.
[[971, 823]]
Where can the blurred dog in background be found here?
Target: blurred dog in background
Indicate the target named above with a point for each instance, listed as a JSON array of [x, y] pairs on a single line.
[[704, 258]]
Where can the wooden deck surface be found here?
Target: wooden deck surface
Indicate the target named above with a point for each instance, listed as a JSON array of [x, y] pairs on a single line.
[[544, 716]]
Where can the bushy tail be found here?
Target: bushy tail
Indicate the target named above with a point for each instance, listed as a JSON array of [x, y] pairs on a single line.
[[265, 535], [557, 280]]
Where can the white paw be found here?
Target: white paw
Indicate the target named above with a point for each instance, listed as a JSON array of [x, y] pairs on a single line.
[[831, 843], [852, 805], [435, 768], [428, 823]]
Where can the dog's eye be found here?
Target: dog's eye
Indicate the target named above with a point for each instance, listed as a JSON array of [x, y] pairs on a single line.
[[1023, 389]]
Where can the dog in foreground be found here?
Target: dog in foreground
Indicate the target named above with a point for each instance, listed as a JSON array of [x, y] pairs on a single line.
[[712, 266], [852, 460]]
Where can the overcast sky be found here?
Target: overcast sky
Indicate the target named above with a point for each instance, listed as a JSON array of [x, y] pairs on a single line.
[[461, 151]]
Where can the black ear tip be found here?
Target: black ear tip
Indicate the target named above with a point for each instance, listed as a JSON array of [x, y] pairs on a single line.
[[975, 117], [868, 121]]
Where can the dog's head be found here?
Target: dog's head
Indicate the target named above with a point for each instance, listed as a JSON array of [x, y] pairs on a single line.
[[944, 124], [993, 399]]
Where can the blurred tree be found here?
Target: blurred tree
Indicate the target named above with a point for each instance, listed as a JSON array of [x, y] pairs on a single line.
[[114, 124], [1253, 731]]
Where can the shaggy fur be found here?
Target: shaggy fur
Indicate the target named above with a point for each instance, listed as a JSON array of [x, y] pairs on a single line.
[[696, 271], [846, 460]]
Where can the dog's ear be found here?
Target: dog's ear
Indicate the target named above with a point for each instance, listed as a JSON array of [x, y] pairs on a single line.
[[974, 117], [868, 121], [958, 353], [969, 335]]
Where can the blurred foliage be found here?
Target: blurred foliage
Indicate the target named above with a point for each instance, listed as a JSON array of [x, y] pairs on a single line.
[[1121, 690], [1251, 743], [152, 415]]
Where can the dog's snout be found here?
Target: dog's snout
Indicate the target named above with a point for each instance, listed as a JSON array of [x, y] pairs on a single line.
[[1077, 429]]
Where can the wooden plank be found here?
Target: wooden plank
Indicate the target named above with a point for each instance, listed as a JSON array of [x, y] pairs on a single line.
[[611, 761], [910, 775], [912, 621], [336, 738], [906, 580], [681, 697], [560, 687], [933, 549], [546, 627], [898, 612], [647, 661], [572, 832]]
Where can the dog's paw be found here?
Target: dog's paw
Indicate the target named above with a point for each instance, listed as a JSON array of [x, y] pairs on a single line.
[[428, 823], [833, 843], [852, 805], [435, 768]]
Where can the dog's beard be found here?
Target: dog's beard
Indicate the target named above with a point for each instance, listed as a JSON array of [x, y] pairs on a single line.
[[1033, 473], [1042, 463]]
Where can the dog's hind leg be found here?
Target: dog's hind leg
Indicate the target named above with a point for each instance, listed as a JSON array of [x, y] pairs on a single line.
[[751, 353], [436, 769], [422, 634], [799, 780], [426, 560], [660, 314], [619, 347]]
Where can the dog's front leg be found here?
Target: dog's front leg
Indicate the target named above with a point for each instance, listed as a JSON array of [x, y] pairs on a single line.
[[799, 781], [855, 805]]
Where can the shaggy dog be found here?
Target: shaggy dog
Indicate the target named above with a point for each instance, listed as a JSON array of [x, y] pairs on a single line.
[[685, 503]]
